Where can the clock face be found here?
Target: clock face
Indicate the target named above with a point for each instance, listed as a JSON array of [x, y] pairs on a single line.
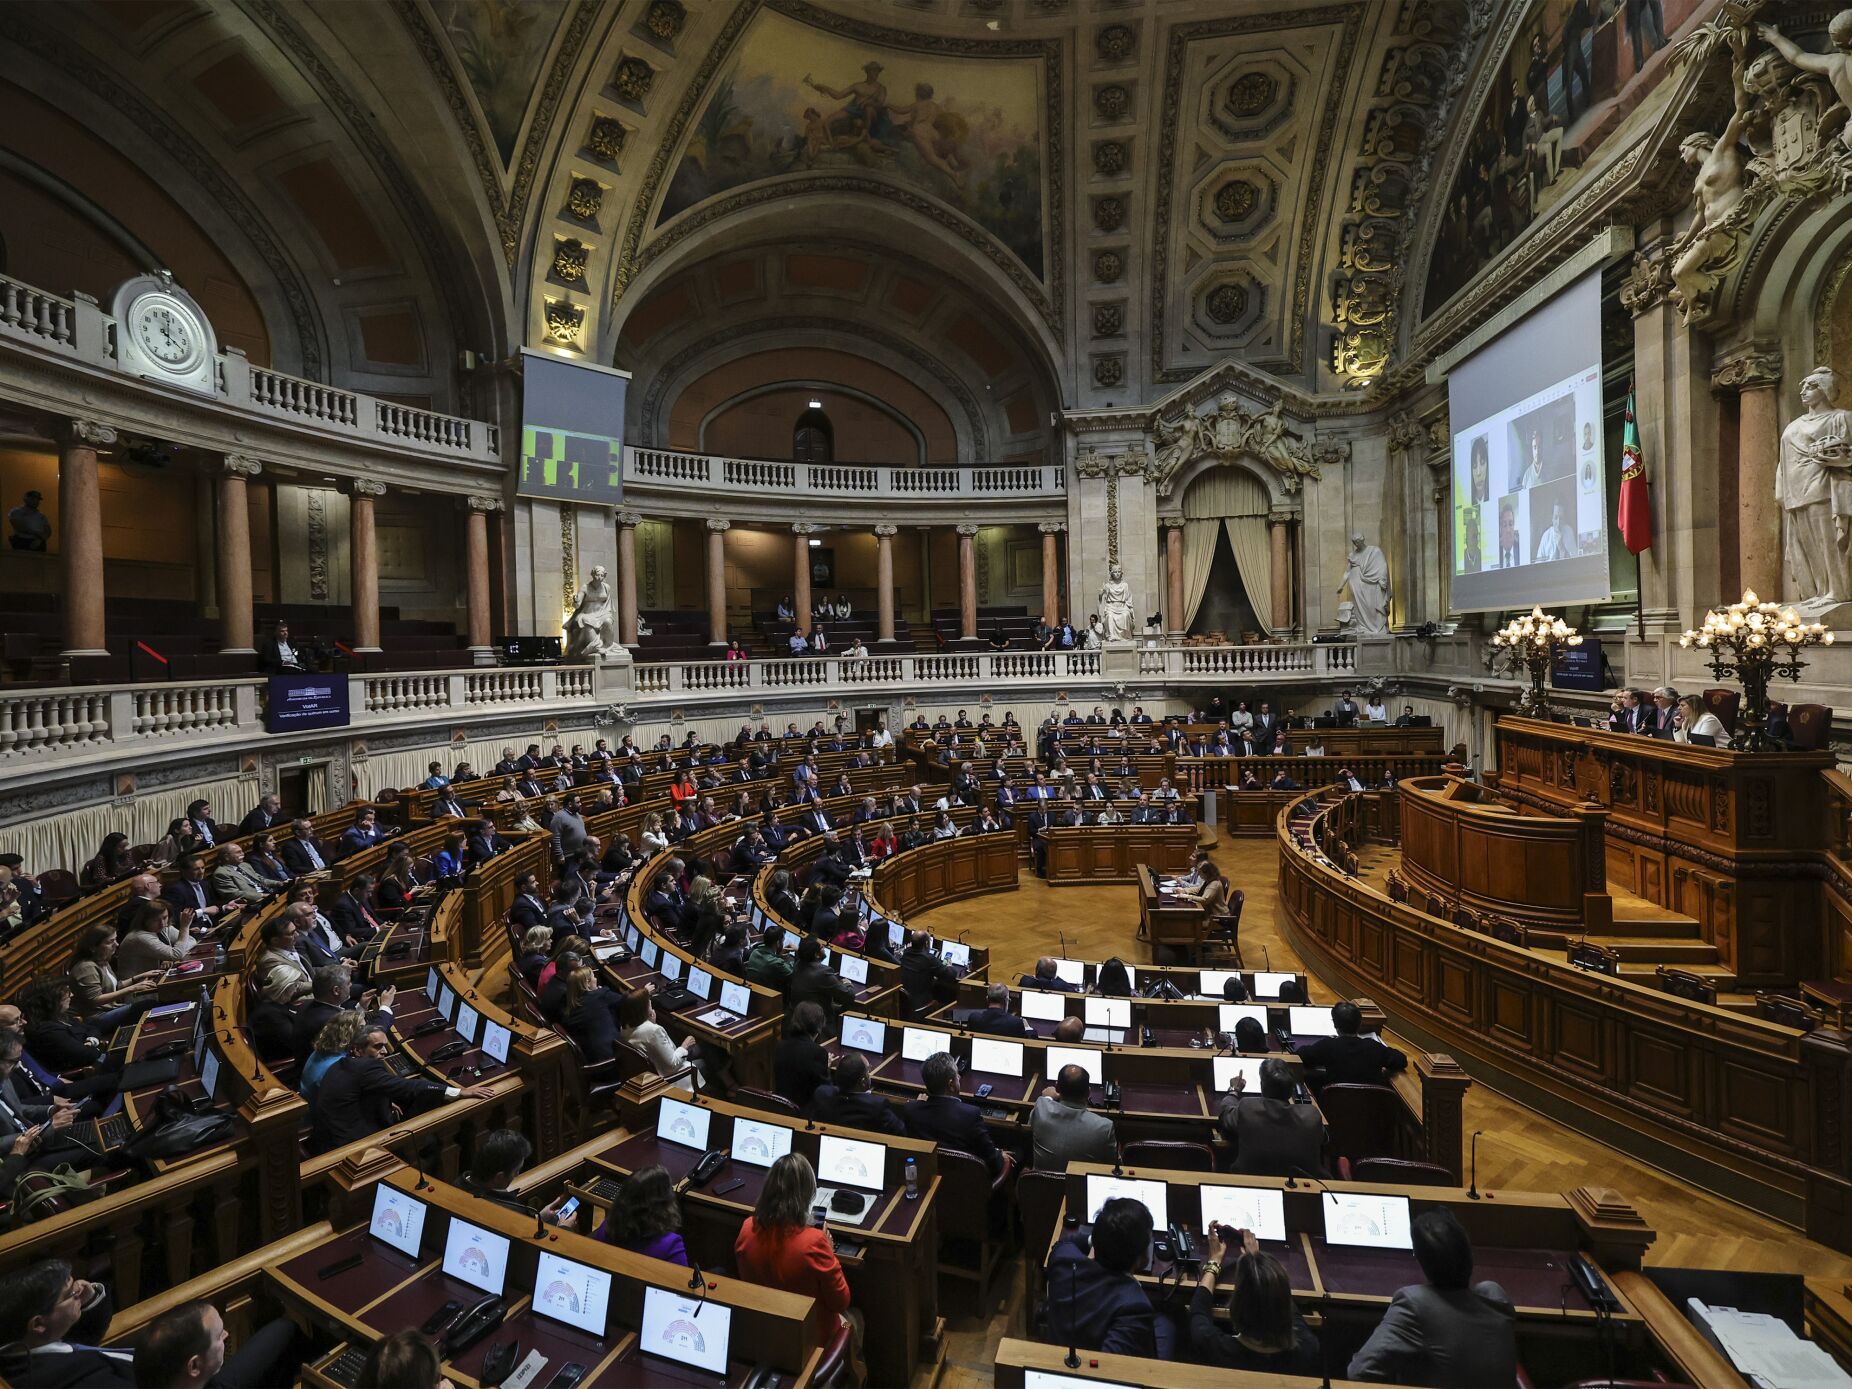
[[166, 332]]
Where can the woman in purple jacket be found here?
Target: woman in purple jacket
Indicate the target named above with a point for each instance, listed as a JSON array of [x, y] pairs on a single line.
[[646, 1217]]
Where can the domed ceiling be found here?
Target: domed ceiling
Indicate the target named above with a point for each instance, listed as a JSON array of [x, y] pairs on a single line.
[[1120, 193]]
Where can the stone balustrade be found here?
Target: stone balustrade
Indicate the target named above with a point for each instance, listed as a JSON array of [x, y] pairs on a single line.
[[664, 468]]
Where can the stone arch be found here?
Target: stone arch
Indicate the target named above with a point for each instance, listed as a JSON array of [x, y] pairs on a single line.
[[867, 399]]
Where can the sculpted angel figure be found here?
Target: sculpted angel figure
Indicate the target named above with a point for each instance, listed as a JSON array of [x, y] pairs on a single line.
[[1710, 243], [1836, 68]]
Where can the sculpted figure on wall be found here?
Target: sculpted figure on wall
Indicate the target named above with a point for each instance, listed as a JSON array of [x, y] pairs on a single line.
[[591, 629], [1815, 491], [1712, 244], [1367, 577], [1229, 432], [1118, 619]]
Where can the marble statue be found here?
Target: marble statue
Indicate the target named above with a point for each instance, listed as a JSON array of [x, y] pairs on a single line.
[[591, 630], [1367, 577], [1836, 68], [1118, 620], [1712, 244], [1815, 493]]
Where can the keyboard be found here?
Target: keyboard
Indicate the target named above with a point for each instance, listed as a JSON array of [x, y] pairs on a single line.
[[402, 1065], [606, 1188], [105, 1135], [345, 1368]]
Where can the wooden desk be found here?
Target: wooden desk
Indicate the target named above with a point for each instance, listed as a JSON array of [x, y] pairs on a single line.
[[1168, 922], [1079, 854]]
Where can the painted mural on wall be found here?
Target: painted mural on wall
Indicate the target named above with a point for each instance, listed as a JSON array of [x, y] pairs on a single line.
[[795, 100], [1577, 69], [500, 45]]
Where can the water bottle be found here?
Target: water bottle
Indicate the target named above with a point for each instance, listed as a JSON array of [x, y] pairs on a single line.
[[913, 1179]]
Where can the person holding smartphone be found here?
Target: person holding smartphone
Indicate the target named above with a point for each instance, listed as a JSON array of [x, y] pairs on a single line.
[[1267, 1331], [783, 1245]]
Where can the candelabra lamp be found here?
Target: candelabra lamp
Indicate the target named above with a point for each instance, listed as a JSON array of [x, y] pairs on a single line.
[[1755, 642], [1529, 644]]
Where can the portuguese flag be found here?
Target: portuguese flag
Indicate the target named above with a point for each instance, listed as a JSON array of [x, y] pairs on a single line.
[[1636, 507]]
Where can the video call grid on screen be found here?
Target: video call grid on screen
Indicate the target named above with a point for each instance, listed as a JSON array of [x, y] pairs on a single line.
[[1529, 491]]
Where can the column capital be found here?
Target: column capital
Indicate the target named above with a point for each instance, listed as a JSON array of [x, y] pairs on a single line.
[[1752, 366], [93, 433], [240, 465], [1171, 523], [804, 528], [630, 520], [883, 529], [1649, 280], [1051, 527], [968, 528], [482, 502], [1280, 518], [365, 487], [717, 525]]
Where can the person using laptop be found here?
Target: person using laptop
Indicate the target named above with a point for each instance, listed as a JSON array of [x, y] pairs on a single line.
[[1448, 1332], [1094, 1301], [1273, 1137], [1351, 1058], [943, 1119], [850, 1099], [1696, 724], [778, 1247], [1064, 1129]]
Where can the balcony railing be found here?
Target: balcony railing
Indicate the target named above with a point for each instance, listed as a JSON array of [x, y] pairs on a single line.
[[644, 467], [79, 331]]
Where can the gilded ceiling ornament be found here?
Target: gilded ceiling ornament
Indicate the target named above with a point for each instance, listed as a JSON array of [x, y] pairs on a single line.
[[564, 322], [585, 198], [569, 257], [606, 138], [665, 19], [1108, 266], [633, 79], [1235, 199], [1233, 432]]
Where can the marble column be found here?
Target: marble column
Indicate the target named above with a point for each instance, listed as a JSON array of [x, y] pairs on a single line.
[[1173, 574], [1051, 570], [237, 633], [717, 581], [363, 562], [801, 532], [80, 536], [967, 581], [476, 572], [627, 523], [1280, 555], [1754, 373], [884, 583]]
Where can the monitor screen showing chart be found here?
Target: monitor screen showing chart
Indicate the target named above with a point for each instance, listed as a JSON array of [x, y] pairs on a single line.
[[398, 1219], [679, 1328], [574, 1293], [1375, 1222], [477, 1256]]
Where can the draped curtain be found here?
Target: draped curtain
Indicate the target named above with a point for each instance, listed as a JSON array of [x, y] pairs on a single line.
[[1236, 501], [71, 839]]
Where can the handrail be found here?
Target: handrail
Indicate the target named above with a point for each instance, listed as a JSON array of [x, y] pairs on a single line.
[[657, 467]]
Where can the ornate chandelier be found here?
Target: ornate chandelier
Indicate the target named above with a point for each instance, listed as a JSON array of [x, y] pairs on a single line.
[[1529, 644], [1755, 641]]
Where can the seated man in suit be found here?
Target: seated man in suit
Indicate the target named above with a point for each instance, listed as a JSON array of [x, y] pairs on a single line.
[[1350, 1058], [1094, 1299], [364, 833], [1063, 1128], [266, 814], [1661, 721], [234, 880], [1448, 1331], [352, 916], [189, 892], [850, 1099], [1046, 978], [277, 655], [332, 993], [1273, 1137], [360, 1095], [812, 981], [484, 842], [302, 852], [943, 1119], [995, 1016], [1283, 781], [280, 973], [49, 1325], [923, 973]]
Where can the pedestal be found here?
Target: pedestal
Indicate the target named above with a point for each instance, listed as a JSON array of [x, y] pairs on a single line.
[[1119, 661], [614, 678]]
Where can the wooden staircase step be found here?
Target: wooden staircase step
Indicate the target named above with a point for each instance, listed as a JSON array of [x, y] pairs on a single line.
[[1659, 950], [1722, 976], [1634, 916]]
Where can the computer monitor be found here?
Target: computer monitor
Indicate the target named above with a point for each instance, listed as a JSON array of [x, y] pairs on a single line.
[[633, 939], [918, 1043], [1087, 1058], [1268, 983], [700, 983], [1048, 1379], [398, 1219], [955, 954], [851, 1162], [1071, 972], [688, 1332], [209, 1074], [1228, 1067], [1261, 1209], [576, 1294], [467, 1020], [1154, 1196], [1043, 1005], [476, 1256], [432, 979], [650, 953], [445, 997], [864, 1034], [896, 935], [495, 1039], [1210, 983], [793, 939], [759, 1144], [683, 1124], [1229, 1014], [996, 1058], [1363, 1218], [1108, 1012], [1310, 1022], [736, 998], [671, 966], [853, 968]]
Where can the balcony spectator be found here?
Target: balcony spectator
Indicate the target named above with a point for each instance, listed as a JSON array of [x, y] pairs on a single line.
[[275, 653], [30, 527]]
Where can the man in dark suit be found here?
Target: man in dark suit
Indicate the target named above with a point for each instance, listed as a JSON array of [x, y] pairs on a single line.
[[1272, 1136], [49, 1323], [359, 1095], [510, 765], [530, 759], [812, 981], [1350, 1058], [528, 909], [1046, 978], [1661, 721], [190, 891], [484, 842], [1095, 1301], [267, 814], [277, 655], [923, 973], [351, 915], [850, 1099], [334, 987], [363, 834], [947, 1121], [995, 1016], [210, 831], [302, 852], [1449, 1330], [1265, 725]]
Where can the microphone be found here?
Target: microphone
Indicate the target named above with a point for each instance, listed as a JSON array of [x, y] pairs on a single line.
[[1072, 1361], [1265, 956], [1316, 1180], [1473, 1193], [697, 1280], [416, 1160], [540, 1226]]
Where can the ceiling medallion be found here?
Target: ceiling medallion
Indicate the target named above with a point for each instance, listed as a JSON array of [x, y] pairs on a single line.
[[1108, 267], [1108, 213], [1250, 94], [1226, 303], [1235, 199], [1109, 157], [564, 322], [569, 257], [665, 19], [606, 140], [585, 198], [1108, 320], [1116, 43], [1111, 101]]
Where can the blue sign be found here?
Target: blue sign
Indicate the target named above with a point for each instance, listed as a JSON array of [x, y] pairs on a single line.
[[299, 702], [1578, 667]]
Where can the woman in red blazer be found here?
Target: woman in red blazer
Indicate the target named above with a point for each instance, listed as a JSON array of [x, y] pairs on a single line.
[[779, 1248]]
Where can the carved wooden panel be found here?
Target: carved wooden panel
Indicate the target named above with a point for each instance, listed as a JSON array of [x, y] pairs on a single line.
[[1407, 958], [1663, 1070], [1577, 1034], [1453, 992], [1755, 1104], [1509, 1011]]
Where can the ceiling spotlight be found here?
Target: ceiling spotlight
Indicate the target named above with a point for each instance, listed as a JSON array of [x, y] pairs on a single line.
[[814, 542], [816, 405]]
